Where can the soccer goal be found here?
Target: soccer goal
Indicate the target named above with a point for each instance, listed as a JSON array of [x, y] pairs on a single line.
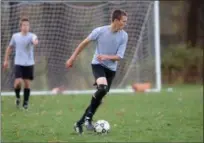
[[61, 26]]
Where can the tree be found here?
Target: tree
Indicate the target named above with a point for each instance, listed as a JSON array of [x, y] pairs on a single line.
[[195, 17]]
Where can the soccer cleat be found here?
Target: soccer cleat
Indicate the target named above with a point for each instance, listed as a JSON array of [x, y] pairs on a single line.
[[78, 128], [88, 124], [25, 105], [18, 102]]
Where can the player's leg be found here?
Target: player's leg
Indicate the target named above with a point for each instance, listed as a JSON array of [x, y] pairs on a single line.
[[107, 81], [78, 125], [18, 83], [99, 75], [109, 76], [27, 78], [87, 120], [91, 109], [81, 121], [96, 107], [96, 102], [26, 93], [96, 99], [101, 81]]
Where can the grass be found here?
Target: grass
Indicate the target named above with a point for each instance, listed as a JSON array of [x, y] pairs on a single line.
[[149, 117]]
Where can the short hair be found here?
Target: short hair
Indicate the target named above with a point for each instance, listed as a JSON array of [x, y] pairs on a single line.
[[117, 14], [23, 20]]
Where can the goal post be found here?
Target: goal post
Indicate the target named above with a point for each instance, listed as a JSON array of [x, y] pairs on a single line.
[[157, 46], [61, 26]]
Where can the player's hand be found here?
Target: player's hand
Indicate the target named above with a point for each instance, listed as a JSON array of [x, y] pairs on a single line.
[[102, 57], [69, 63], [5, 65], [35, 42]]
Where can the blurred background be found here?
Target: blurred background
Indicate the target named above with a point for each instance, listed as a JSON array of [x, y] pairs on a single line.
[[181, 37], [182, 41]]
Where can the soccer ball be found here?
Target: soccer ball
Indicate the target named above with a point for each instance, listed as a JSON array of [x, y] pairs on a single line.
[[102, 127]]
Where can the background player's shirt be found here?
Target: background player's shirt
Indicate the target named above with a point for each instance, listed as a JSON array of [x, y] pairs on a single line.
[[108, 43], [24, 47]]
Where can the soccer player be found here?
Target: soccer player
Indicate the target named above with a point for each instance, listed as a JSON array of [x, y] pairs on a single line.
[[24, 43], [111, 41]]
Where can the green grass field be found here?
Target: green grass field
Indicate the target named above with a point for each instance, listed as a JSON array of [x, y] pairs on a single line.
[[154, 117]]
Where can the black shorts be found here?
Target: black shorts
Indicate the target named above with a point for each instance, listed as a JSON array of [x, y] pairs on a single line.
[[101, 71], [24, 72]]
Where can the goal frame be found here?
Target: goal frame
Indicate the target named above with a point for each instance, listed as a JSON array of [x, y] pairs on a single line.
[[158, 84]]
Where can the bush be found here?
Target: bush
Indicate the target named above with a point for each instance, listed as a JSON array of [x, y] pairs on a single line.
[[182, 64]]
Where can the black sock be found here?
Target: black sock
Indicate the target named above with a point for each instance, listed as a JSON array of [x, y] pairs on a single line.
[[96, 101], [81, 121], [93, 107], [26, 94], [17, 91], [86, 113], [90, 115]]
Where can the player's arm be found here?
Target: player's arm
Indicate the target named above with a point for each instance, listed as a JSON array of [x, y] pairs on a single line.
[[92, 36], [80, 47], [6, 58], [8, 52], [108, 57], [77, 51]]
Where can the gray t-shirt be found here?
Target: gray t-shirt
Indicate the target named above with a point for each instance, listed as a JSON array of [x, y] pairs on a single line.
[[24, 48], [108, 43]]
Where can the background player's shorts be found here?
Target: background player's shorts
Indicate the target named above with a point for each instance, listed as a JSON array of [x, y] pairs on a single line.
[[24, 72], [101, 71]]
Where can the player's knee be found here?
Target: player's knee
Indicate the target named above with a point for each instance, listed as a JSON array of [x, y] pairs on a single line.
[[102, 88], [27, 83], [17, 83], [102, 91], [101, 81]]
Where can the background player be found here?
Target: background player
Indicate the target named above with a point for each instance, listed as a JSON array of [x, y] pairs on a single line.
[[23, 42]]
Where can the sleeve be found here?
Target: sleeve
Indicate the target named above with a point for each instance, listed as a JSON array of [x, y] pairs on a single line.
[[122, 47], [94, 34], [12, 42]]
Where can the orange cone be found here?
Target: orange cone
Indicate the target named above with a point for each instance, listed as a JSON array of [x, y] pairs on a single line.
[[141, 87]]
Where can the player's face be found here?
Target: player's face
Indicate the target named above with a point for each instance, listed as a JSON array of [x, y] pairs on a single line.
[[122, 22], [25, 26]]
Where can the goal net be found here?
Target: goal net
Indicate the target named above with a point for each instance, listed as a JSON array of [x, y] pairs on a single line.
[[61, 26]]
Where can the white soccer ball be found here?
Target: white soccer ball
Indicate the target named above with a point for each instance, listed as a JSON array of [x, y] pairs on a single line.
[[102, 126]]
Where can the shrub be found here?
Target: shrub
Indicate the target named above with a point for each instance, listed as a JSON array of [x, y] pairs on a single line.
[[182, 64]]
